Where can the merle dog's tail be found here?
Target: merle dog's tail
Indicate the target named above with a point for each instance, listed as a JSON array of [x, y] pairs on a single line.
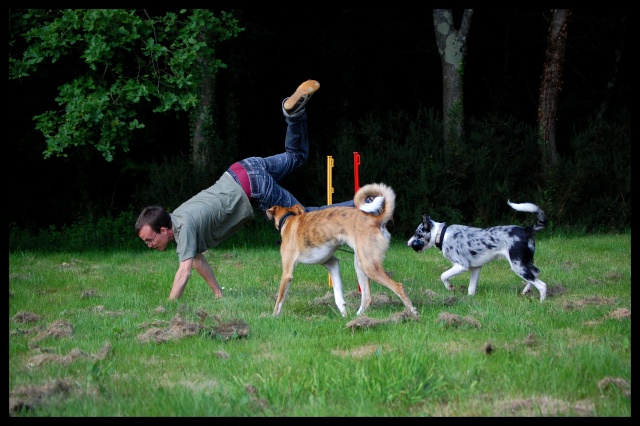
[[541, 223]]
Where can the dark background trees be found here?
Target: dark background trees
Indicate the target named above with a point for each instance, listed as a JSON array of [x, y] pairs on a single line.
[[381, 95]]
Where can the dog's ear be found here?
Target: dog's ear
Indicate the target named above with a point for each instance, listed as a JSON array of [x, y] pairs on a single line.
[[431, 222], [271, 213], [297, 209], [428, 223]]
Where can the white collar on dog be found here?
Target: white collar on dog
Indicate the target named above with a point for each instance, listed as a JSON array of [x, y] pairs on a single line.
[[440, 236]]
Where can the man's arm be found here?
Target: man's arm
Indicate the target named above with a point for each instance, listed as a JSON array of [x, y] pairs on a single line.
[[204, 269], [181, 278]]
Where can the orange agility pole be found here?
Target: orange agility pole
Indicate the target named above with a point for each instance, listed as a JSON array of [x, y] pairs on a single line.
[[329, 191], [356, 180]]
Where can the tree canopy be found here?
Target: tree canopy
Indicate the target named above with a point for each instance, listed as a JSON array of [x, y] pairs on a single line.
[[121, 58]]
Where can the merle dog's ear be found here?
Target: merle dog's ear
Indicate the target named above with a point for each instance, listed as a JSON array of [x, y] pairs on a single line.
[[429, 222], [426, 221]]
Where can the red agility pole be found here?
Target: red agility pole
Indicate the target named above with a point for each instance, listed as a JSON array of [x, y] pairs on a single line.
[[356, 173], [356, 182]]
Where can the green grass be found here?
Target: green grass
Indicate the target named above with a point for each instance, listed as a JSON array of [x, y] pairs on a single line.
[[548, 359]]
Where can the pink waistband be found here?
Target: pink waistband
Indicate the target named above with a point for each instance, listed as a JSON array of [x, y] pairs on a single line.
[[237, 171]]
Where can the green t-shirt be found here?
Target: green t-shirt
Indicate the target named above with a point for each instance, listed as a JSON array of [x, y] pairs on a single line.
[[210, 217]]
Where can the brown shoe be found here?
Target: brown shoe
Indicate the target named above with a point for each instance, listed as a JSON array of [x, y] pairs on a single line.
[[301, 96]]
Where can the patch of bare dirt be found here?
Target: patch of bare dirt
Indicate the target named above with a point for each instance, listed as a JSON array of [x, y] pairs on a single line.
[[531, 340], [365, 321], [57, 329], [27, 398], [621, 313], [450, 301], [252, 391], [609, 383], [617, 314], [25, 317], [594, 300], [430, 293], [88, 293], [354, 296], [452, 320], [377, 299], [32, 397], [608, 278], [178, 328], [557, 290], [544, 407], [75, 354]]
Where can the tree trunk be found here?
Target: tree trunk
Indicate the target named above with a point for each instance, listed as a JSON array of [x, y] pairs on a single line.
[[452, 46], [551, 86], [611, 83], [203, 119]]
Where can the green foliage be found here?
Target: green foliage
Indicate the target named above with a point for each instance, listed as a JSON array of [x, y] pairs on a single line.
[[123, 58], [102, 233], [116, 232], [500, 160], [589, 191], [171, 182], [595, 180]]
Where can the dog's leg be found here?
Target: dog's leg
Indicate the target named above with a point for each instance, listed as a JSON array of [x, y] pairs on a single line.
[[473, 280], [333, 266], [371, 263], [447, 275], [282, 293], [285, 281], [529, 272], [365, 288], [397, 288], [542, 288]]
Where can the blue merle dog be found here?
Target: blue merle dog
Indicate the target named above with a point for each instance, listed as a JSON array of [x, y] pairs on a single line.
[[471, 248]]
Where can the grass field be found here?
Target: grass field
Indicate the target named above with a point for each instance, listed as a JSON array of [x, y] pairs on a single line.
[[93, 334]]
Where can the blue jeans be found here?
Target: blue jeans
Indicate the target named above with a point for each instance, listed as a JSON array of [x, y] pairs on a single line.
[[265, 172]]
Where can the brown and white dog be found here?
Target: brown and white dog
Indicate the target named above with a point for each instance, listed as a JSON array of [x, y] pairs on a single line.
[[313, 238]]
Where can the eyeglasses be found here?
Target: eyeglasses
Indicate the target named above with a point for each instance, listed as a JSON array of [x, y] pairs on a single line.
[[150, 241]]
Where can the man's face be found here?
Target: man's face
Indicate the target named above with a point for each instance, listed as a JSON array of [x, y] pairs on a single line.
[[153, 239]]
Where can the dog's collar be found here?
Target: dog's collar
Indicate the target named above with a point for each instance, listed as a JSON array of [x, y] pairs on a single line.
[[440, 236], [283, 219]]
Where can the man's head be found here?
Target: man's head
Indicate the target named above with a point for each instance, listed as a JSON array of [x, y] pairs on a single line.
[[154, 227]]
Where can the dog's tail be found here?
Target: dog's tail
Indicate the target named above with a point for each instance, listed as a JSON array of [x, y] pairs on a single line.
[[541, 223], [376, 198]]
